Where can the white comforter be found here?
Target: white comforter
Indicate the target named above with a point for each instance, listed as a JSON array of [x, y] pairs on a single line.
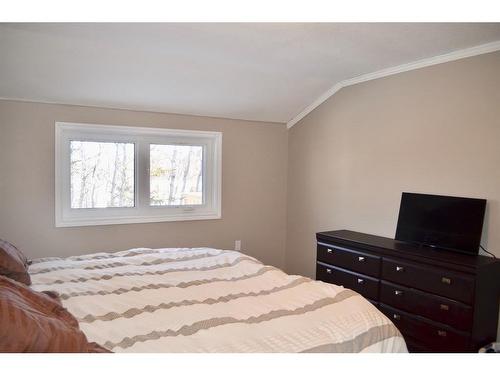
[[208, 300]]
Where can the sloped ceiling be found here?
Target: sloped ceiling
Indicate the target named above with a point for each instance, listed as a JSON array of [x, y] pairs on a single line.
[[253, 71]]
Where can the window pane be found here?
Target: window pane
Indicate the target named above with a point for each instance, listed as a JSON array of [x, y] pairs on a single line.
[[176, 174], [102, 174]]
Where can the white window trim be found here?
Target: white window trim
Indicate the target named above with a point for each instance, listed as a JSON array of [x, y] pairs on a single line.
[[65, 216]]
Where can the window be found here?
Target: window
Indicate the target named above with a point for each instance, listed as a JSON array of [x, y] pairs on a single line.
[[115, 175], [102, 174], [175, 176]]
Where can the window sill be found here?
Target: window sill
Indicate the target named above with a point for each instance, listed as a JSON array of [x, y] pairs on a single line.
[[61, 223]]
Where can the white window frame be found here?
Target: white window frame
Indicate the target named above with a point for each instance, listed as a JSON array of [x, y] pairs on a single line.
[[142, 212]]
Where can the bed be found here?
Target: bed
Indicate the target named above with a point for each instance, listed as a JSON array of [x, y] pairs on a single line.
[[209, 300]]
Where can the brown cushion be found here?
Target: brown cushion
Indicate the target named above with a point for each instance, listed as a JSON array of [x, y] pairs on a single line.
[[13, 263], [54, 295], [35, 322]]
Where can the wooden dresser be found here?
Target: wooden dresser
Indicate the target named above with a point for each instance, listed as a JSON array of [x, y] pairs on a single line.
[[441, 301]]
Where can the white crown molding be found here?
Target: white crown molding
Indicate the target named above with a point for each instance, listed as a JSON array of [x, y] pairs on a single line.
[[134, 109], [452, 56]]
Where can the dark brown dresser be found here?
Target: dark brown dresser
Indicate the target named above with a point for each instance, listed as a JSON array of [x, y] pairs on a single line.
[[441, 301]]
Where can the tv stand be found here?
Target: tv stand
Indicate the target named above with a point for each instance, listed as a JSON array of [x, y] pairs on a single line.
[[441, 301]]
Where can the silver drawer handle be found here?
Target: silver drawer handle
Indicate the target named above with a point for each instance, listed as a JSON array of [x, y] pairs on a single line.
[[396, 316], [444, 307], [446, 280], [328, 270], [442, 333], [400, 268], [329, 251], [398, 292], [361, 259], [361, 281]]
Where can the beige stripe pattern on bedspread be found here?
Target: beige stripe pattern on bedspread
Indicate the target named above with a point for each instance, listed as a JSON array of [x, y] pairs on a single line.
[[209, 300]]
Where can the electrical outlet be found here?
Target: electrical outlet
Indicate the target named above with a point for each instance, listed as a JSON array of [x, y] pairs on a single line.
[[237, 245]]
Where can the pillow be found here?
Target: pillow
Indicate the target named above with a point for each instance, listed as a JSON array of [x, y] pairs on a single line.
[[54, 295], [13, 263], [36, 322]]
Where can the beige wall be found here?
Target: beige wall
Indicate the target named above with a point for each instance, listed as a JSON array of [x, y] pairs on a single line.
[[432, 130], [253, 186]]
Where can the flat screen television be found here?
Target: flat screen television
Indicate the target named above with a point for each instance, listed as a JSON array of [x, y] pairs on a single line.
[[451, 223]]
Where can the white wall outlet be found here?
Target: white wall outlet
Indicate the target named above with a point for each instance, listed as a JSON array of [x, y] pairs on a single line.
[[237, 245]]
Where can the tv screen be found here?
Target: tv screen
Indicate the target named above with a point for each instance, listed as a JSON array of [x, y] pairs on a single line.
[[452, 223]]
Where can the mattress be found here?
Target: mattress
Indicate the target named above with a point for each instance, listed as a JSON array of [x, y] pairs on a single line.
[[210, 300]]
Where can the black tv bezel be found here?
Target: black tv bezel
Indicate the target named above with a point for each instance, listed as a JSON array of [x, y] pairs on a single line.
[[435, 246]]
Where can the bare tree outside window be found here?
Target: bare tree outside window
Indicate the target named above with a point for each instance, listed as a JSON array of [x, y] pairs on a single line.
[[176, 175], [102, 174]]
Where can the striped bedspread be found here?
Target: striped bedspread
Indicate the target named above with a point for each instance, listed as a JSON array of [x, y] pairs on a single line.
[[208, 300]]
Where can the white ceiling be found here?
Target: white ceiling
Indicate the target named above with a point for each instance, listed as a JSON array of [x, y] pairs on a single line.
[[254, 71]]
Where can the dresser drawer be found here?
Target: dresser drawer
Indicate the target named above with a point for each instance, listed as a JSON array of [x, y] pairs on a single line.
[[435, 336], [364, 285], [446, 283], [350, 259], [443, 310], [415, 346]]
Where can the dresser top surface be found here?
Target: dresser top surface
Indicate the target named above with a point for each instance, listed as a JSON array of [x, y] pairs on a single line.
[[406, 249]]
